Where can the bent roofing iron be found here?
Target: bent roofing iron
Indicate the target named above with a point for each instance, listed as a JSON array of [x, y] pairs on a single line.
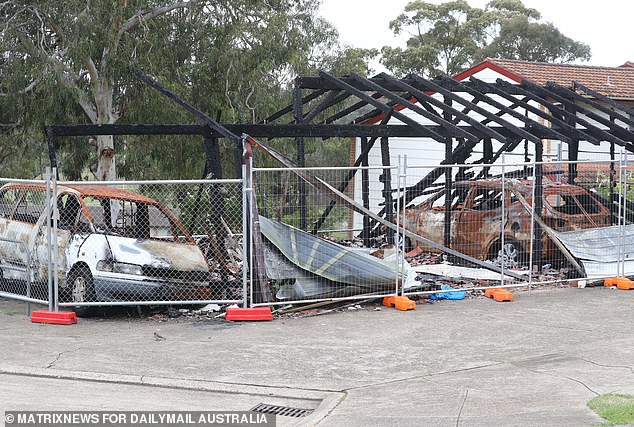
[[327, 259]]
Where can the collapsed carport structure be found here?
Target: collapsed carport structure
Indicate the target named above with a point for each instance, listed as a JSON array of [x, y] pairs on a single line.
[[441, 109]]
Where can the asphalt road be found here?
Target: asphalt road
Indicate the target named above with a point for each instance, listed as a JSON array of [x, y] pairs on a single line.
[[534, 362]]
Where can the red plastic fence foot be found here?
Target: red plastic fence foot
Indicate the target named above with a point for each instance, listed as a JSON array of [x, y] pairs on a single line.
[[248, 314], [54, 317]]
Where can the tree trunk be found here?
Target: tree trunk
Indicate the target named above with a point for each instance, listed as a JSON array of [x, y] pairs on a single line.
[[106, 169]]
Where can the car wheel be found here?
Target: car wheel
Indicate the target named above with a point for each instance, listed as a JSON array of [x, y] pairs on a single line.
[[81, 286]]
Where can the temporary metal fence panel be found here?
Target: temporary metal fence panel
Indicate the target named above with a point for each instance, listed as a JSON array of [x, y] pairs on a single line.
[[149, 242], [332, 253], [24, 249], [181, 242]]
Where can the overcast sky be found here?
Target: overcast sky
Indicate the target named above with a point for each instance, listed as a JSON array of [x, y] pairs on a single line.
[[606, 25]]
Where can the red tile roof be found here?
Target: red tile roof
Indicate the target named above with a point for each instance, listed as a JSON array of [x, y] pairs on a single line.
[[614, 82]]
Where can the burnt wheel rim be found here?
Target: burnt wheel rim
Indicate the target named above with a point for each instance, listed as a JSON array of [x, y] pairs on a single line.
[[80, 286], [509, 255]]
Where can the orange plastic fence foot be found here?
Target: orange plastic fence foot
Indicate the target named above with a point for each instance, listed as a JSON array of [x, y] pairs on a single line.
[[498, 294], [404, 304], [399, 303], [388, 301], [620, 282]]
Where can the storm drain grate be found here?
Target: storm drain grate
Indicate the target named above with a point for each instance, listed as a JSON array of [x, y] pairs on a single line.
[[284, 411]]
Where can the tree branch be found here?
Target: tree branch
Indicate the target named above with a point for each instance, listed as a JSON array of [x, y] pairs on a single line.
[[135, 20]]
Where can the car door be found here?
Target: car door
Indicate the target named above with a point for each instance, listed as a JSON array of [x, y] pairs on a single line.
[[479, 223], [67, 217]]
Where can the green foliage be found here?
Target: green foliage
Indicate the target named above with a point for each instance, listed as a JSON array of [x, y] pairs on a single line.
[[614, 407], [451, 36], [68, 62]]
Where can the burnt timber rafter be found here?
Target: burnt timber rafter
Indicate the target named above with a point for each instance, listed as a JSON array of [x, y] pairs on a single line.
[[603, 98], [578, 133], [445, 124], [554, 87], [422, 96], [289, 108], [384, 108], [503, 109], [545, 94]]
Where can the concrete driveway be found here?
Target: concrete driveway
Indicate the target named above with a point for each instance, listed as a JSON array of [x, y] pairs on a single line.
[[533, 362]]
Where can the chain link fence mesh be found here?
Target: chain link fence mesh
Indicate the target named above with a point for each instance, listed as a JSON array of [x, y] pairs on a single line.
[[330, 253], [177, 242]]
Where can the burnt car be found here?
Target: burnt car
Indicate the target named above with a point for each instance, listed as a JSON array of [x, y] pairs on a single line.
[[114, 245], [476, 218]]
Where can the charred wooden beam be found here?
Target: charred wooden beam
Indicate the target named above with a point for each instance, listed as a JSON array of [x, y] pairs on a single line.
[[573, 146], [448, 126], [272, 130], [610, 123], [386, 179], [448, 177], [385, 108], [289, 108], [570, 131], [603, 98], [50, 142], [332, 98], [546, 94], [365, 193], [188, 107], [298, 115], [487, 156], [351, 109], [538, 203], [422, 96]]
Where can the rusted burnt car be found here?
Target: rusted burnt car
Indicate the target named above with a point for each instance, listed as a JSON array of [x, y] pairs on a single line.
[[114, 245], [476, 218]]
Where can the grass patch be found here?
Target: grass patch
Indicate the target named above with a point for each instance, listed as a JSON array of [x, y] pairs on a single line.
[[616, 408]]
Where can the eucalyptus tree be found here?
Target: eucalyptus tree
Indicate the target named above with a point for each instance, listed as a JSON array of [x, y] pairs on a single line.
[[448, 37], [69, 60]]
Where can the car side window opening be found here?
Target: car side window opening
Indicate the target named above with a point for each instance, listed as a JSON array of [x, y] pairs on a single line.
[[134, 219], [487, 199], [578, 204], [69, 209], [8, 198], [30, 205]]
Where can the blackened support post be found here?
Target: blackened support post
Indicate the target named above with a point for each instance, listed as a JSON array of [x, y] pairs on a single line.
[[386, 178], [448, 183], [612, 177], [573, 147], [487, 156], [365, 193], [50, 140], [218, 207], [539, 193], [298, 115]]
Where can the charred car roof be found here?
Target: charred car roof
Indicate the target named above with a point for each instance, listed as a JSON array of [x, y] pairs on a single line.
[[88, 191]]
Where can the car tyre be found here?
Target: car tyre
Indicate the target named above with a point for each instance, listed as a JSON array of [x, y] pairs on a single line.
[[81, 288]]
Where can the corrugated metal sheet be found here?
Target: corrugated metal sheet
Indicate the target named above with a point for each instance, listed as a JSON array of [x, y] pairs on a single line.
[[598, 249], [327, 259]]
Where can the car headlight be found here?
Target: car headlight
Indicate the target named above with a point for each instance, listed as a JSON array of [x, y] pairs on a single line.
[[120, 267]]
